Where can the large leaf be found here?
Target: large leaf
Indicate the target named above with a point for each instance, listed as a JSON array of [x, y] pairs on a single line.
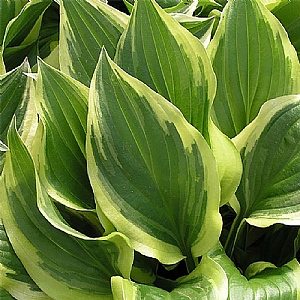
[[270, 186], [207, 281], [264, 280], [85, 26], [62, 106], [254, 61], [153, 174], [63, 266], [158, 51], [13, 276]]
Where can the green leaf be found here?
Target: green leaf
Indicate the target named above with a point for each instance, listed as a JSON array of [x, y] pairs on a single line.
[[269, 189], [228, 160], [63, 266], [49, 33], [199, 27], [267, 282], [158, 51], [13, 85], [270, 186], [288, 13], [62, 106], [184, 6], [22, 32], [13, 277], [254, 61], [12, 101], [207, 281], [4, 295], [85, 26], [8, 10], [150, 168]]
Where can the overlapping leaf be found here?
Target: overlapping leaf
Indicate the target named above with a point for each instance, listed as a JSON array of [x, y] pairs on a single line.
[[13, 276], [63, 266], [12, 101], [8, 10], [265, 280], [150, 168], [288, 13], [270, 187], [62, 106], [199, 27], [160, 52], [254, 61], [22, 33], [207, 281], [175, 64], [85, 26]]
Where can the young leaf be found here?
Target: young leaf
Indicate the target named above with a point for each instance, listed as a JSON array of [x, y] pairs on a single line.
[[152, 173], [85, 26], [62, 106], [157, 50], [228, 160], [63, 266], [270, 186], [266, 282], [254, 61]]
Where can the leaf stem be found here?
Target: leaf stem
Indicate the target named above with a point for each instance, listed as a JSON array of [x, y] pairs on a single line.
[[237, 227], [190, 262]]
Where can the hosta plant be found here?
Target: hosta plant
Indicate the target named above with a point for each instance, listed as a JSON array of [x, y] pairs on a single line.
[[150, 155]]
